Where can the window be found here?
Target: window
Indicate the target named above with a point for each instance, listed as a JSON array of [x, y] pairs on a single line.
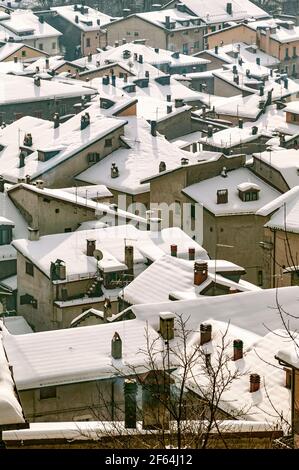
[[47, 392], [57, 211], [185, 48], [294, 117], [294, 51], [93, 157], [213, 28], [185, 33], [250, 196], [177, 208], [128, 33], [68, 229], [87, 42], [53, 46], [192, 211], [5, 235], [196, 45], [108, 142], [23, 53], [29, 268], [286, 53], [294, 70], [41, 46], [18, 116], [38, 114], [260, 278], [136, 33]]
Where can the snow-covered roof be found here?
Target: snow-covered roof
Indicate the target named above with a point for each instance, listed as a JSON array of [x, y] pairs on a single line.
[[65, 141], [76, 354], [137, 162], [278, 202], [48, 89], [24, 24], [71, 248], [216, 11], [9, 211], [173, 276], [180, 20], [291, 355], [240, 106], [17, 325], [10, 282], [49, 63], [255, 311], [285, 161], [292, 107], [9, 48], [287, 216], [89, 19], [231, 137], [10, 409], [205, 192], [90, 192], [273, 120]]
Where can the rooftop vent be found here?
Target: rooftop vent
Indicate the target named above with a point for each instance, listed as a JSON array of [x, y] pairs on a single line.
[[200, 272], [173, 250], [222, 196], [229, 8], [238, 349], [254, 382], [85, 121], [162, 167], [114, 170], [90, 247], [205, 333], [116, 346]]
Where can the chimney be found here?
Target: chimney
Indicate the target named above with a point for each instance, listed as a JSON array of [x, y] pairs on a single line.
[[90, 247], [154, 128], [156, 50], [22, 159], [116, 346], [41, 19], [89, 57], [113, 80], [15, 59], [269, 97], [174, 250], [222, 196], [191, 253], [129, 258], [240, 123], [125, 77], [28, 140], [140, 59], [114, 171], [236, 79], [254, 383], [76, 19], [169, 109], [2, 183], [254, 130], [200, 272], [167, 22], [27, 179], [271, 72], [210, 130], [238, 349], [47, 62], [33, 234], [216, 49], [37, 81], [205, 333], [146, 74], [162, 167], [124, 41], [130, 393], [258, 61], [85, 121], [229, 8], [178, 102], [166, 328], [56, 120], [168, 98]]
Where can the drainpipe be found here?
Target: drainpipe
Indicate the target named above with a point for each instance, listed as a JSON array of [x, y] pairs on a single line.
[[274, 258]]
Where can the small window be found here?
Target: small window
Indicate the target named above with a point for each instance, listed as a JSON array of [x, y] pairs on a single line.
[[294, 117], [260, 278], [41, 46], [87, 42], [185, 33], [128, 33], [68, 229], [47, 392], [38, 114], [53, 45], [192, 211], [93, 157], [23, 53], [136, 33], [29, 268], [211, 229], [57, 211], [108, 142], [5, 235]]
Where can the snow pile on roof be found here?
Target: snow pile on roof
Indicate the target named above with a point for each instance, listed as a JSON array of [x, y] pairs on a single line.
[[285, 161], [89, 192], [287, 215], [10, 409], [231, 137], [23, 24], [89, 19], [292, 107], [205, 192], [216, 11]]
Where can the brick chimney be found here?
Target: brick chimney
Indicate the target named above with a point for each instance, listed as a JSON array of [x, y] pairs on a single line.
[[205, 333], [191, 252], [166, 328], [91, 246], [174, 250], [254, 382], [116, 346], [238, 349], [200, 272]]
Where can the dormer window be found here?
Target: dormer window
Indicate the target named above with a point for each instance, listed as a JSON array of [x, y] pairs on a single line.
[[248, 192]]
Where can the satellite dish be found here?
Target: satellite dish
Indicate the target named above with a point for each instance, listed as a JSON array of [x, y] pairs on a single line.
[[98, 255]]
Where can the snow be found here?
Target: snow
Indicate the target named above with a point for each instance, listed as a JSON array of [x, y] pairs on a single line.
[[68, 13], [10, 282], [205, 192], [17, 325], [287, 216], [239, 106], [7, 252], [76, 355], [5, 221], [290, 355], [22, 21], [284, 161], [8, 49], [30, 92], [278, 202], [176, 17], [90, 192], [248, 186], [292, 107], [172, 276], [231, 137], [10, 409], [137, 162], [54, 63]]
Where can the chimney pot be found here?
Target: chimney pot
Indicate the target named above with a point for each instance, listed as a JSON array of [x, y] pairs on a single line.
[[205, 333], [174, 250], [116, 346], [238, 349], [200, 273], [191, 252], [91, 246], [254, 383]]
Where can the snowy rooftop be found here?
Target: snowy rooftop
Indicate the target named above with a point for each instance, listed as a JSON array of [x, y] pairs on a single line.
[[292, 107], [137, 162], [231, 137], [16, 325], [287, 215], [49, 63], [171, 275], [90, 192], [10, 48], [181, 20], [216, 12], [46, 91], [89, 19], [205, 192], [284, 161], [9, 211], [24, 24], [65, 141], [10, 409], [71, 248], [247, 106]]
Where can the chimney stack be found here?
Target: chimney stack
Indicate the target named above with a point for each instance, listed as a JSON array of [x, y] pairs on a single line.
[[130, 393], [258, 61], [168, 98], [169, 109], [154, 128], [174, 250], [113, 80], [191, 252], [129, 258], [56, 120], [85, 121], [2, 183], [162, 167], [254, 383], [33, 234], [22, 159], [47, 61], [210, 130], [240, 123], [238, 349], [15, 59], [216, 49], [200, 272], [114, 171], [116, 346], [205, 333], [90, 247], [166, 329]]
